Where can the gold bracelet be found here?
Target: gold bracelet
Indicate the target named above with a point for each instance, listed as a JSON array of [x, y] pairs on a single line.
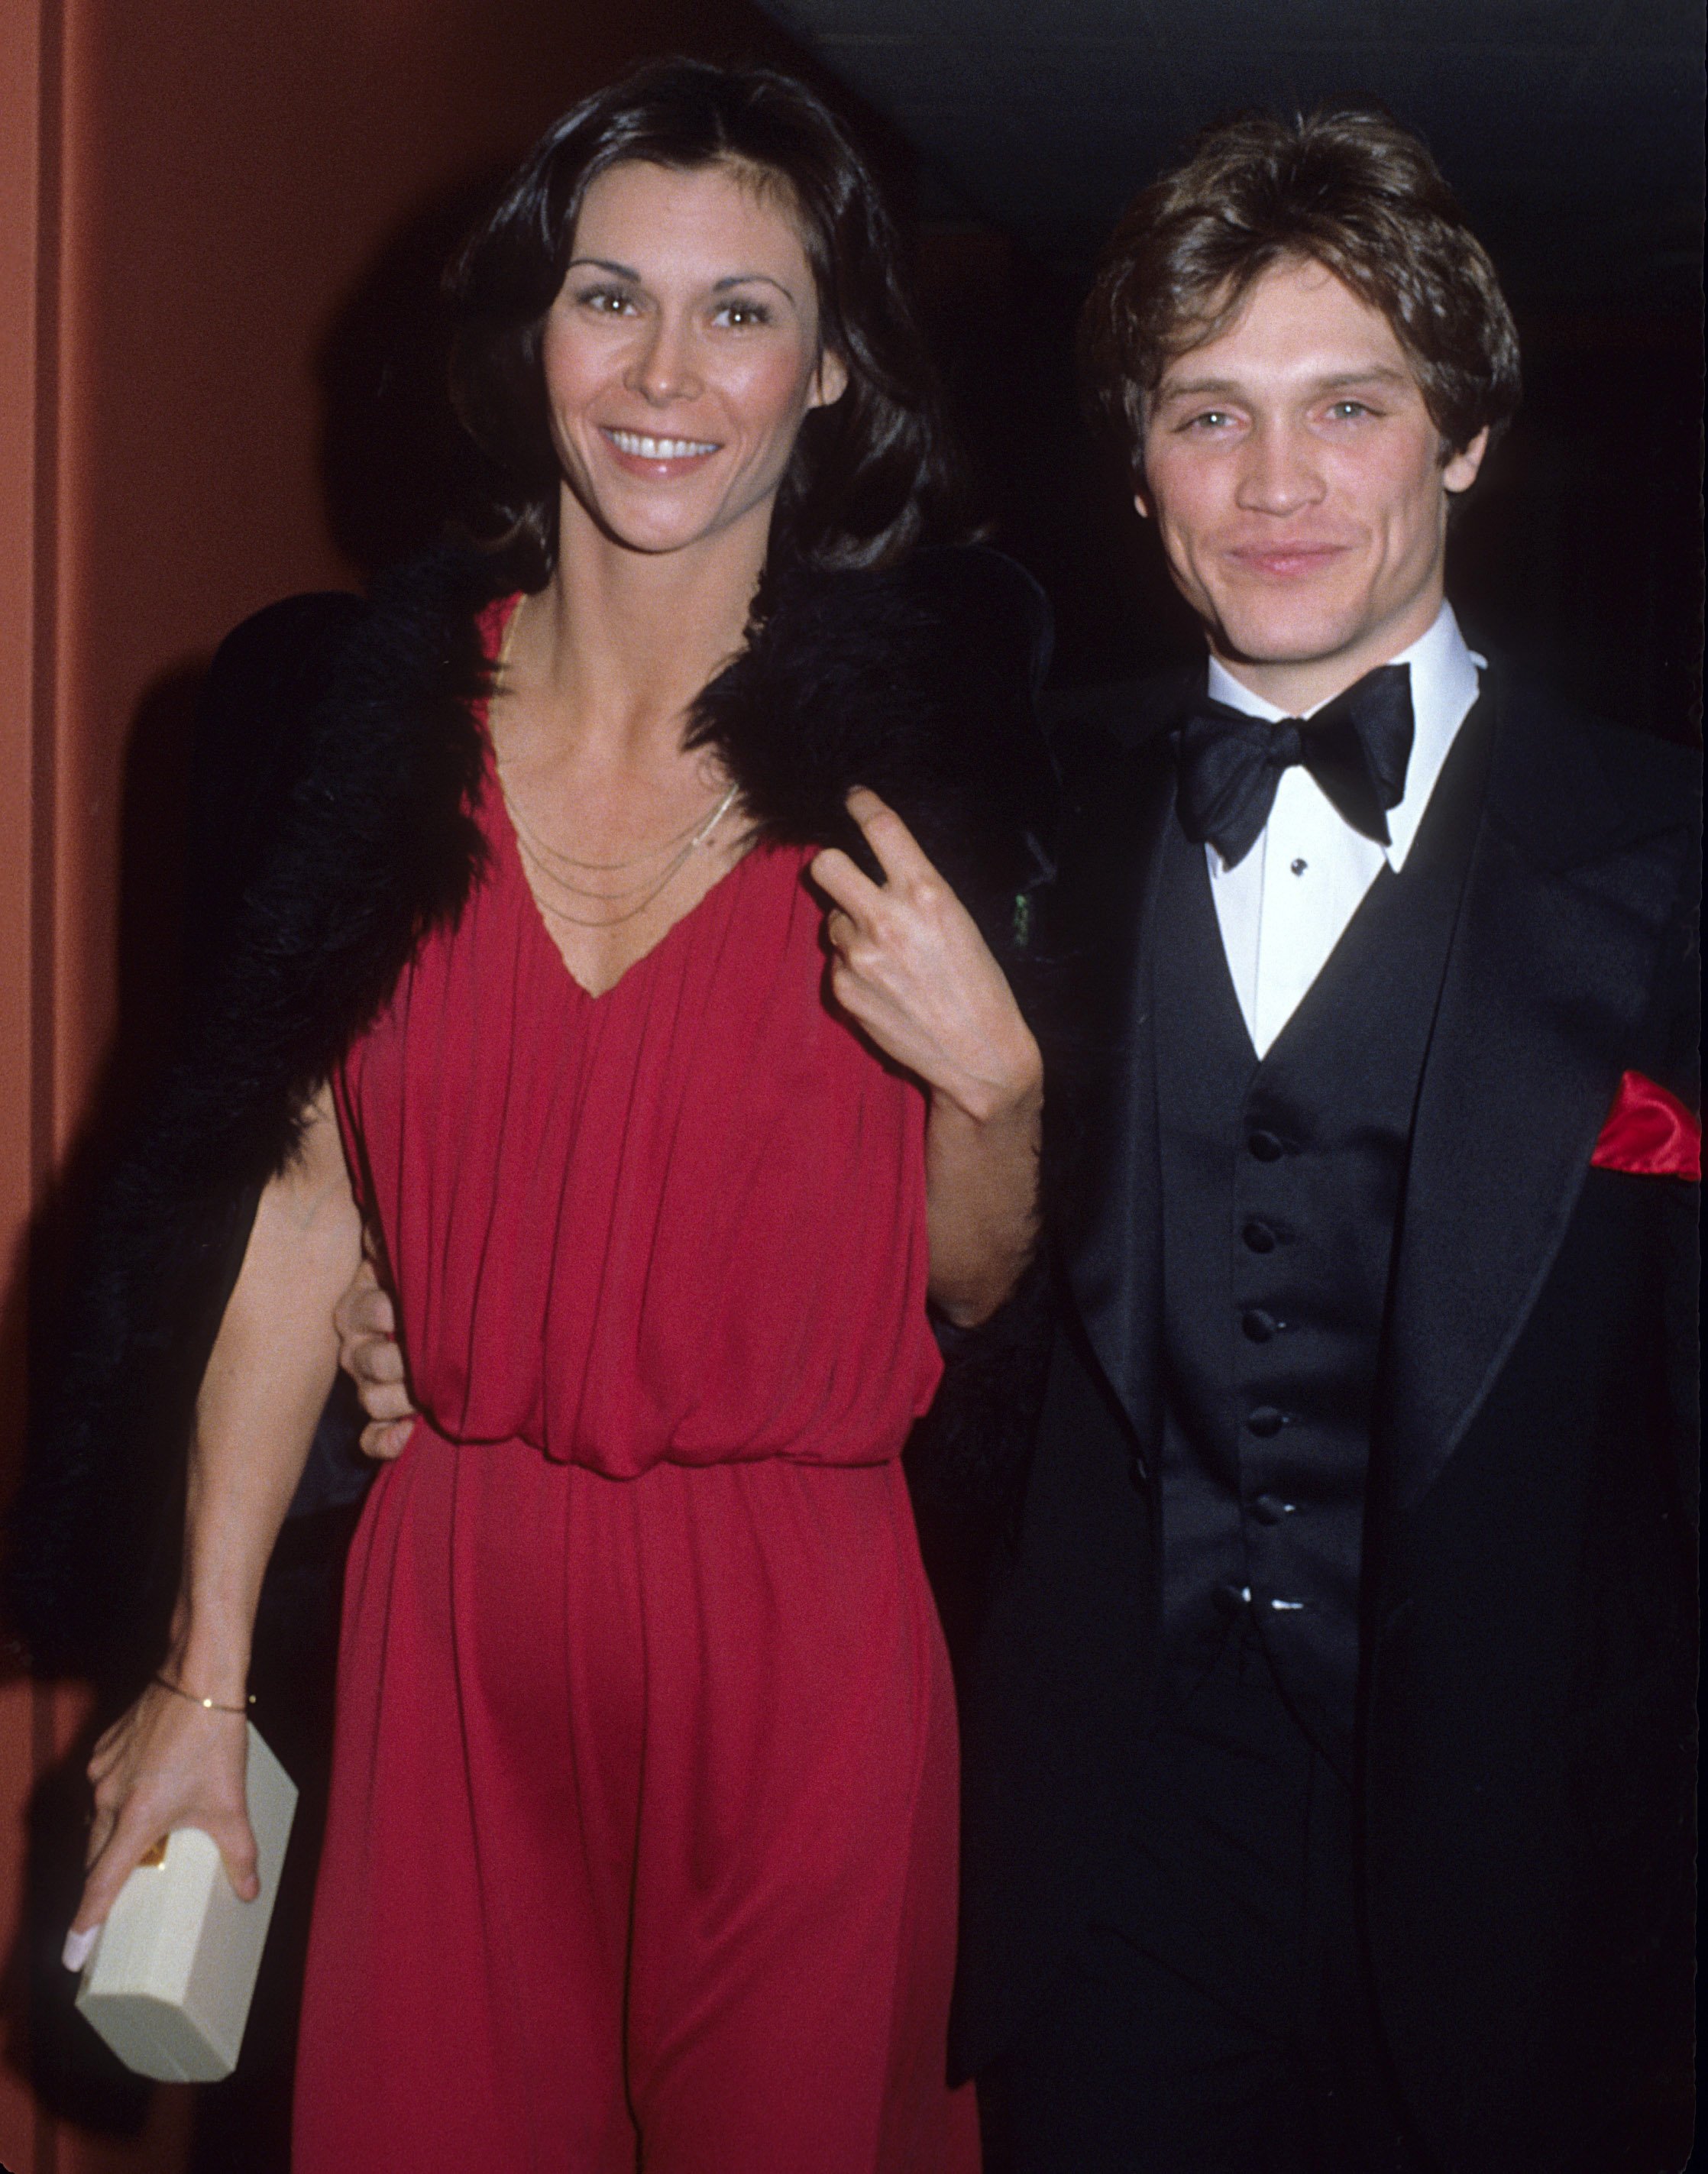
[[207, 1705]]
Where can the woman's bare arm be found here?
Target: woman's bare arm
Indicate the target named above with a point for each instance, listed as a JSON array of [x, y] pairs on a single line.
[[981, 1199], [168, 1762], [911, 967]]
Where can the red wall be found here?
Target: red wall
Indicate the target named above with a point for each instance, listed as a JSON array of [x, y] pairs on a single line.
[[191, 193]]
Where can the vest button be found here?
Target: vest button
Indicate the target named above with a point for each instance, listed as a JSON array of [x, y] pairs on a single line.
[[1264, 1420], [1228, 1599], [1259, 1237], [1268, 1509], [1266, 1147], [1259, 1326]]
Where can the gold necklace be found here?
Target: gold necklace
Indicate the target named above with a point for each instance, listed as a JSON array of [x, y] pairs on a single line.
[[540, 856], [543, 855], [701, 837]]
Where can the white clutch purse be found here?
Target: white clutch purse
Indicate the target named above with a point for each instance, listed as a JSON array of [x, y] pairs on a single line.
[[169, 1981]]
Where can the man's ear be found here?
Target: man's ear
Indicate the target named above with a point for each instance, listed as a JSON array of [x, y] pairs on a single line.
[[1460, 470], [1141, 489], [830, 381]]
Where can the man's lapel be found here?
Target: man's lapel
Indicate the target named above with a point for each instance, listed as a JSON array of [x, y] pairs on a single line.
[[1570, 886], [1111, 1224]]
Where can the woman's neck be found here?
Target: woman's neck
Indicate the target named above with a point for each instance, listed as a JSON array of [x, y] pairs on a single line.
[[615, 648]]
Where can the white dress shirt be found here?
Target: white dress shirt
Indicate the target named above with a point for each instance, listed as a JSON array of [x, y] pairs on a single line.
[[1287, 904]]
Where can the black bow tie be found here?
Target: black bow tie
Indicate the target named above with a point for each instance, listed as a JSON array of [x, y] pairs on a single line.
[[1356, 747]]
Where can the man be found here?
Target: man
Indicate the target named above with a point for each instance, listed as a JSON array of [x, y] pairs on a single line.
[[1328, 1758]]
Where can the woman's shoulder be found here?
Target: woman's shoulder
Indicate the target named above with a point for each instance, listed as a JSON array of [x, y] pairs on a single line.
[[942, 610], [295, 652], [268, 677], [287, 646], [318, 712], [982, 594], [352, 816], [368, 665], [916, 680], [972, 592]]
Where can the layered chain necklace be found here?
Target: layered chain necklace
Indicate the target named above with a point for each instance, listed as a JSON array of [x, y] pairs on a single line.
[[551, 866], [563, 890]]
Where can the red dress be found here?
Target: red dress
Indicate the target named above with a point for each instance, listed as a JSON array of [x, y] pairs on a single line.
[[641, 1850]]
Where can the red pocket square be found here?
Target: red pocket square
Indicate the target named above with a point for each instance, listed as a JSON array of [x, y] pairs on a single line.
[[1649, 1132]]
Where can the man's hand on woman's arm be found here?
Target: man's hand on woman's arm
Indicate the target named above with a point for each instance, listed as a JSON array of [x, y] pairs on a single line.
[[910, 965], [370, 1353], [169, 1762]]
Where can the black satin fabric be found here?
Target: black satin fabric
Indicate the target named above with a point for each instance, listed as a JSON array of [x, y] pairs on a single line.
[[1356, 747]]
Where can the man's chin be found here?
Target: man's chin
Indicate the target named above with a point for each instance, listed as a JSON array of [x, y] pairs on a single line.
[[1260, 643]]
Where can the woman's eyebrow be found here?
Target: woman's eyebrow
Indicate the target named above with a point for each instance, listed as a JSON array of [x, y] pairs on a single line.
[[752, 280], [730, 279]]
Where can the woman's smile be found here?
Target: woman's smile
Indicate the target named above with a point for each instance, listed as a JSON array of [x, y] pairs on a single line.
[[656, 459]]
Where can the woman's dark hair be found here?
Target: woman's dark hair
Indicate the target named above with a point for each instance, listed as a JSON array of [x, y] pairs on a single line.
[[873, 473], [1349, 187]]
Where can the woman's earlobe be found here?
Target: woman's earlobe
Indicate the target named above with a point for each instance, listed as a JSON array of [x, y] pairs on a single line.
[[830, 381]]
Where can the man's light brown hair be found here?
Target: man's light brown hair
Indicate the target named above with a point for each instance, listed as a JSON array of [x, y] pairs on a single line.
[[1347, 186]]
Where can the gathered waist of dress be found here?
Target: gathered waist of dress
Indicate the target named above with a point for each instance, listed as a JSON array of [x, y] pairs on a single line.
[[628, 1461]]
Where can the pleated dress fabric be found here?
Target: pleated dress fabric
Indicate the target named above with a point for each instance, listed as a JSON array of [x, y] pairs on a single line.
[[642, 1849]]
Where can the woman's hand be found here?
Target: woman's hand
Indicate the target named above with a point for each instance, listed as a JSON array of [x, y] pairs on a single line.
[[166, 1763], [909, 965], [370, 1353]]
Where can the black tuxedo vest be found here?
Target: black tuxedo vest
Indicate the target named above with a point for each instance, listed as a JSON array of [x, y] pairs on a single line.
[[1283, 1183]]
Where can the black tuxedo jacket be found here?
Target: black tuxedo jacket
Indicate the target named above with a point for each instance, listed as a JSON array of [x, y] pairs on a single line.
[[1526, 1748]]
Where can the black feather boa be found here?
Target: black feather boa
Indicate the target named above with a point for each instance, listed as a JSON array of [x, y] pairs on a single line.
[[918, 683]]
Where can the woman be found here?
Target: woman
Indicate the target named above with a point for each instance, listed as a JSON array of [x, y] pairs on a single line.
[[642, 1842]]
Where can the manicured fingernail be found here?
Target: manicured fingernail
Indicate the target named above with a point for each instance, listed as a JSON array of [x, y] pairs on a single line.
[[78, 1947]]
